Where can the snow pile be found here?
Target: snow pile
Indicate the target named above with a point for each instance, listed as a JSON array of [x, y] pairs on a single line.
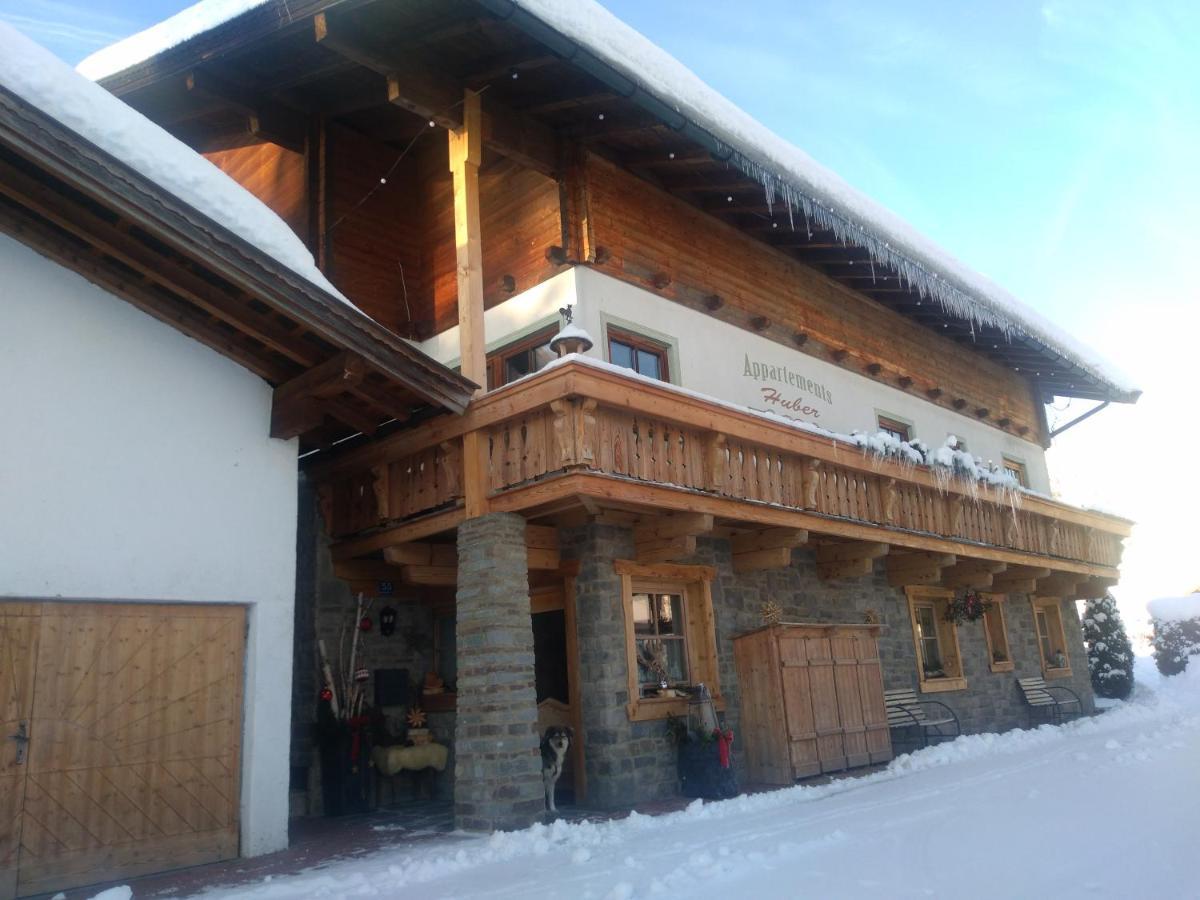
[[811, 193], [571, 331], [1031, 795], [41, 79], [164, 35], [1175, 609]]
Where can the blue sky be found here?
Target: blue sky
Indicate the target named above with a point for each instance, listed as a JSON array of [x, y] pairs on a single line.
[[1051, 145]]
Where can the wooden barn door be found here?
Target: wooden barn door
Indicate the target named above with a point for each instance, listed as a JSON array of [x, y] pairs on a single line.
[[18, 653], [134, 742]]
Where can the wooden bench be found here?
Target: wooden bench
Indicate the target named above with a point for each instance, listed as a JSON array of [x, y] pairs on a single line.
[[1047, 700], [906, 710]]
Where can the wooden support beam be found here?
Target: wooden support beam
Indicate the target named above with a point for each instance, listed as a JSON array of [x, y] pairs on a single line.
[[301, 404], [755, 560], [770, 548], [1094, 588], [679, 525], [439, 576], [848, 559], [542, 547], [1060, 584], [415, 83], [911, 569], [367, 570], [466, 154], [265, 119], [972, 573], [666, 549], [1019, 580], [422, 554]]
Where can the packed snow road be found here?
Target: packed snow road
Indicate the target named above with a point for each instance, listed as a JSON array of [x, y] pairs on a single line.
[[1105, 807]]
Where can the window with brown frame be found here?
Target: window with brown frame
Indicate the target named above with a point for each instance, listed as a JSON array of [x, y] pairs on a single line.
[[520, 358], [935, 639], [670, 636], [897, 429], [1052, 639], [1017, 470], [632, 351], [995, 629]]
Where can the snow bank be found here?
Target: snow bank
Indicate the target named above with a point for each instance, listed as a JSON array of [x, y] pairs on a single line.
[[41, 79], [1175, 609], [1017, 793], [811, 192]]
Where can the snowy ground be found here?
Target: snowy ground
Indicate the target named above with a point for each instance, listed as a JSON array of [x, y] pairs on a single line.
[[1105, 807]]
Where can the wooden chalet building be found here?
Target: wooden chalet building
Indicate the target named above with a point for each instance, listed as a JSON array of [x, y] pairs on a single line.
[[585, 540]]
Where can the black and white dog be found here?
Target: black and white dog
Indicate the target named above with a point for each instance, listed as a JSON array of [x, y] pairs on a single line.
[[555, 742]]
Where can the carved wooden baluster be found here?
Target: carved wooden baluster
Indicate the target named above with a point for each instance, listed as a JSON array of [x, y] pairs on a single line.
[[891, 499], [1052, 537], [716, 463], [564, 431], [956, 508], [585, 433], [810, 477], [449, 463]]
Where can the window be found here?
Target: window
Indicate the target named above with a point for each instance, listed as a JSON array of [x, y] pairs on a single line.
[[520, 358], [1052, 641], [644, 356], [670, 636], [901, 431], [939, 666], [995, 629], [1016, 469]]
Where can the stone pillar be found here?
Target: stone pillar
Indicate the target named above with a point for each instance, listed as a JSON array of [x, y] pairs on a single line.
[[497, 770]]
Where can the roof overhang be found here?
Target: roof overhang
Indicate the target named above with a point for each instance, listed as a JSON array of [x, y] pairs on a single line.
[[555, 85], [336, 371]]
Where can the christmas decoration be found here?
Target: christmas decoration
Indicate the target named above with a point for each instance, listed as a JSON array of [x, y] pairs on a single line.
[[365, 624], [967, 608], [771, 613], [326, 694], [387, 621], [871, 617], [433, 684], [416, 717]]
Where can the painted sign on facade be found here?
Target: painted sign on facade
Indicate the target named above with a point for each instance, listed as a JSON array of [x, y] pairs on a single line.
[[781, 389]]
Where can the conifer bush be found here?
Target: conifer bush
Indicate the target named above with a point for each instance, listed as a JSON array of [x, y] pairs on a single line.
[[1110, 653]]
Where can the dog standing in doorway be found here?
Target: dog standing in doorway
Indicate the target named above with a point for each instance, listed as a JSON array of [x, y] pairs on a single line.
[[555, 743]]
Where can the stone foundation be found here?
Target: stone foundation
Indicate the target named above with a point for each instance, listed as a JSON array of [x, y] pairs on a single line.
[[497, 774], [630, 762]]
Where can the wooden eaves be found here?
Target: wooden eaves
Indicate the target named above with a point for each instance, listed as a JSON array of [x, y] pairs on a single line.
[[336, 371]]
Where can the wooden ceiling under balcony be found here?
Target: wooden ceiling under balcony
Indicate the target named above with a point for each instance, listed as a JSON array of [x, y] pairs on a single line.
[[393, 70]]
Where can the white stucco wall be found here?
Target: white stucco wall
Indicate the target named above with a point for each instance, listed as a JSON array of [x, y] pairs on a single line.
[[136, 465], [711, 357]]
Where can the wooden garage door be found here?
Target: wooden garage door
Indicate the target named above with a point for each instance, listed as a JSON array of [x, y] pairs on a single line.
[[134, 730]]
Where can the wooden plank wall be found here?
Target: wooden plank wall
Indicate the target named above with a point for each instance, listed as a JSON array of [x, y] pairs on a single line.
[[376, 246], [519, 220], [272, 174], [647, 231]]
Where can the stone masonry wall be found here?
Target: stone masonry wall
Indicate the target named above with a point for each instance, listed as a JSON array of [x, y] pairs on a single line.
[[497, 775], [631, 762], [325, 609]]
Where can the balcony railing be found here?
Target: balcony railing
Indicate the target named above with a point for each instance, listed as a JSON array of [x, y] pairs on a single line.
[[578, 430]]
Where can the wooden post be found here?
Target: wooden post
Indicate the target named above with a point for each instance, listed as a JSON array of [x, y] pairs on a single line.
[[466, 150], [466, 144]]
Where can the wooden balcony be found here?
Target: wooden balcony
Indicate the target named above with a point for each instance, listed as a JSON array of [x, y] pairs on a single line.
[[580, 439]]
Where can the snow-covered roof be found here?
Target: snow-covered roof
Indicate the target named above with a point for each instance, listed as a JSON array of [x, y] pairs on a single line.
[[788, 174], [44, 81], [1175, 609]]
